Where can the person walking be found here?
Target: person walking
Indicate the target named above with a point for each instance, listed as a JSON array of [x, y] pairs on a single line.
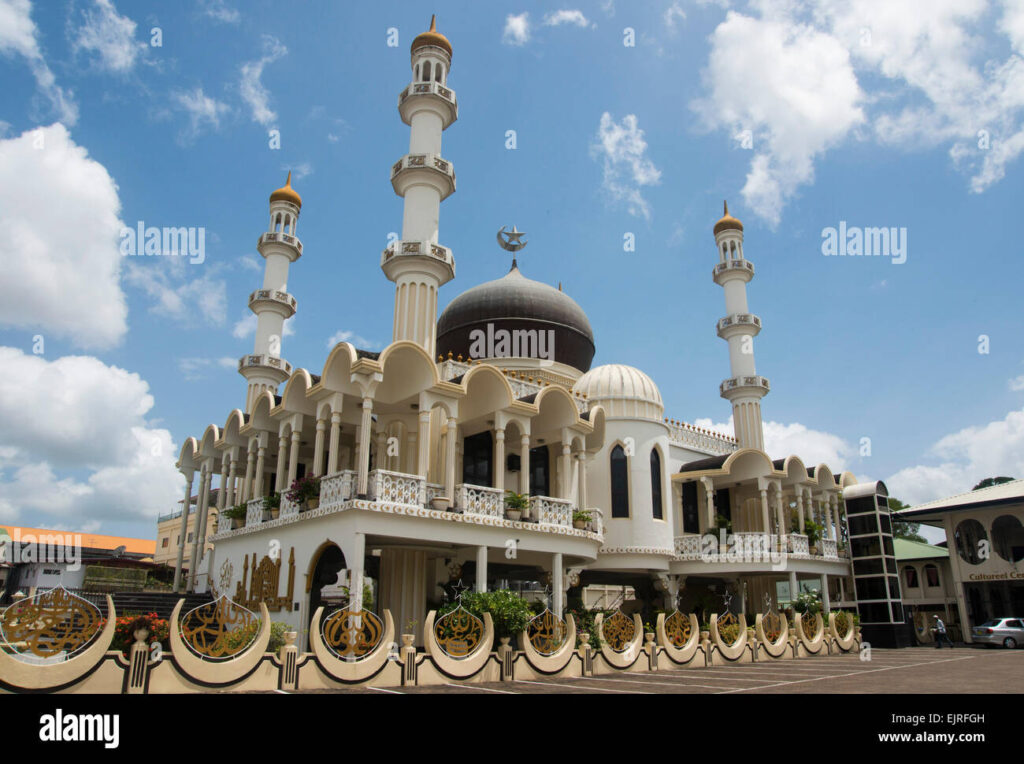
[[940, 633]]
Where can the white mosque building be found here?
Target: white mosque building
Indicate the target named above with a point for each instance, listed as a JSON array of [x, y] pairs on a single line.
[[413, 449]]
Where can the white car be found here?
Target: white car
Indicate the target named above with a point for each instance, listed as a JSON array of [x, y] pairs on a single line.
[[1008, 632]]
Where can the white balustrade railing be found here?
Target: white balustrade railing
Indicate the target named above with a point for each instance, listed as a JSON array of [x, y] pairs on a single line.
[[336, 489], [699, 439], [397, 488], [551, 511], [596, 520], [479, 500], [254, 511], [798, 546], [829, 550], [688, 547], [434, 491], [288, 508]]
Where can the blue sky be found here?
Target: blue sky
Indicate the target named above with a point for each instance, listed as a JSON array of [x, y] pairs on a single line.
[[802, 114]]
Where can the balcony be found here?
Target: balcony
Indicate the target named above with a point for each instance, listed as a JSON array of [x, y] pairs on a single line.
[[282, 301], [736, 322], [273, 237], [751, 547], [731, 267], [423, 165], [480, 500], [435, 90], [739, 383]]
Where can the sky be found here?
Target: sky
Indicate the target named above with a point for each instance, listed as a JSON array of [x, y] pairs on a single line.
[[610, 132]]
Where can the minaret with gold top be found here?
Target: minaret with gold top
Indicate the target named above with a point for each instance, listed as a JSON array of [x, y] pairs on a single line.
[[417, 263], [265, 369], [744, 389]]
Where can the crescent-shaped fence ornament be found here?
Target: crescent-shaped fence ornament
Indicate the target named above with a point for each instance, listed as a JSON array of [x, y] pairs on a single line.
[[558, 658], [846, 642], [814, 643], [352, 669], [36, 676], [679, 635], [630, 648], [730, 651], [220, 672], [466, 665], [763, 627]]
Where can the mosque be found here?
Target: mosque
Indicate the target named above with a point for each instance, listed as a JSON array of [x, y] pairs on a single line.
[[482, 446]]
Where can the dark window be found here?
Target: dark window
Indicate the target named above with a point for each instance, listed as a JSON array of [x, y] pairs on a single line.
[[871, 588], [477, 455], [910, 576], [1008, 538], [863, 525], [691, 511], [968, 536], [540, 471], [656, 484], [164, 542], [931, 575], [620, 483], [723, 504]]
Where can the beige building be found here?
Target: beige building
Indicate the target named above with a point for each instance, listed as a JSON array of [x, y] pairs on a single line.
[[168, 536]]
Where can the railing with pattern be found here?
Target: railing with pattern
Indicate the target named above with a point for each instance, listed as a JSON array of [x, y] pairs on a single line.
[[798, 546], [702, 440], [254, 511], [479, 500], [397, 488], [551, 511], [829, 550], [434, 491], [688, 547], [288, 508], [336, 489]]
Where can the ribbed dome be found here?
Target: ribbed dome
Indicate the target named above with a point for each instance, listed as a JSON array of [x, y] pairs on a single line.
[[432, 37], [515, 302], [622, 391], [286, 193]]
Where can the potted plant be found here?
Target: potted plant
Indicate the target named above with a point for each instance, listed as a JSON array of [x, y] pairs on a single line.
[[235, 516], [649, 633], [305, 492], [724, 523], [440, 503], [515, 503], [271, 506], [813, 532], [409, 635], [580, 518]]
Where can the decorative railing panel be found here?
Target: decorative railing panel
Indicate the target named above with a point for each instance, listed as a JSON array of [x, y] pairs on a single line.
[[551, 511], [688, 547], [479, 500], [829, 550], [798, 546], [351, 635], [219, 630], [54, 624], [336, 489], [678, 629], [458, 632], [288, 508], [728, 628], [397, 488], [254, 511], [618, 631], [546, 632]]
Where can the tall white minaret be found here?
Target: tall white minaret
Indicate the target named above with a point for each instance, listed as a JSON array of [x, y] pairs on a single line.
[[265, 369], [417, 263], [745, 388]]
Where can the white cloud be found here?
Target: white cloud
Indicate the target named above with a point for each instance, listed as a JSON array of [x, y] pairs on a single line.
[[557, 18], [517, 29], [18, 36], [352, 338], [74, 415], [253, 92], [964, 458], [674, 14], [219, 10], [793, 87], [201, 111], [250, 263], [110, 36], [1017, 383], [192, 301], [814, 447], [298, 171], [193, 369], [60, 214], [622, 149]]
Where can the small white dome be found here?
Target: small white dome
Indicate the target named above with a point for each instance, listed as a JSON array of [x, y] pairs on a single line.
[[623, 391]]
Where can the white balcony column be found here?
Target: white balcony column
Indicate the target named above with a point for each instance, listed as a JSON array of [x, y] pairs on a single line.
[[557, 584], [800, 509], [382, 461], [499, 458], [355, 598], [423, 446], [293, 457], [222, 489], [204, 494], [780, 514], [793, 584], [709, 495], [318, 447], [185, 509], [282, 453], [229, 500], [257, 485], [449, 461], [565, 484], [410, 464], [833, 516], [335, 439], [826, 603], [765, 518], [250, 458], [481, 569], [364, 446], [524, 465], [581, 469]]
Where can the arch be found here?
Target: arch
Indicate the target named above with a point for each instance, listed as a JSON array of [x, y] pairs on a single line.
[[555, 409], [911, 579], [426, 71], [657, 483], [928, 569], [208, 443], [314, 560], [487, 390], [749, 462], [231, 435], [794, 470], [277, 223], [407, 370], [824, 477], [296, 391], [259, 418], [595, 438], [337, 371], [187, 455], [618, 477]]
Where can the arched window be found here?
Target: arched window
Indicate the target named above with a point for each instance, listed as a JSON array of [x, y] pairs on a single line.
[[277, 223], [620, 483], [910, 577], [437, 73], [426, 72], [656, 484], [931, 575]]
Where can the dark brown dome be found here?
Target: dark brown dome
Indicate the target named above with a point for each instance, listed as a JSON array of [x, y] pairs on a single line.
[[515, 302]]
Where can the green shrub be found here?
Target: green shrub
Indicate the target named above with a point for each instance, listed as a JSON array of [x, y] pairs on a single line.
[[509, 612]]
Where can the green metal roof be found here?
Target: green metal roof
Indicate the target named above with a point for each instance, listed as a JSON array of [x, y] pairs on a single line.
[[915, 550]]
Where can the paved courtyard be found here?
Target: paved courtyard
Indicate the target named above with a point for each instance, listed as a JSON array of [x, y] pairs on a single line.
[[912, 670]]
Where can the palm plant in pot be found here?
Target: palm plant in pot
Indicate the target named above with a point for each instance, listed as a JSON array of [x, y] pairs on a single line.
[[580, 518], [305, 492], [271, 506], [813, 532], [235, 515], [515, 504]]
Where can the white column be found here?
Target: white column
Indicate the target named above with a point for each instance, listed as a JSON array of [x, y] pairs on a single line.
[[257, 486], [281, 475], [581, 491], [793, 584], [229, 500], [800, 509], [423, 446], [825, 601], [204, 495], [293, 457], [185, 509], [709, 495], [566, 481], [765, 520], [481, 569], [356, 567], [557, 584], [499, 458], [449, 459], [524, 465], [364, 446], [222, 489], [318, 448], [833, 517], [250, 457], [332, 450]]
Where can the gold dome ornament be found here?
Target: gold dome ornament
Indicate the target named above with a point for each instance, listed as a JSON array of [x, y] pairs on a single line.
[[432, 37], [727, 222], [286, 193]]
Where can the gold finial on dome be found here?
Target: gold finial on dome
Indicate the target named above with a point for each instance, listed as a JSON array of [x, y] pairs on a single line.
[[727, 222], [432, 37], [286, 193]]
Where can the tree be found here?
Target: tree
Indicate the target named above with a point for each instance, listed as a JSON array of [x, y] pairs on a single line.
[[901, 527], [989, 482]]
